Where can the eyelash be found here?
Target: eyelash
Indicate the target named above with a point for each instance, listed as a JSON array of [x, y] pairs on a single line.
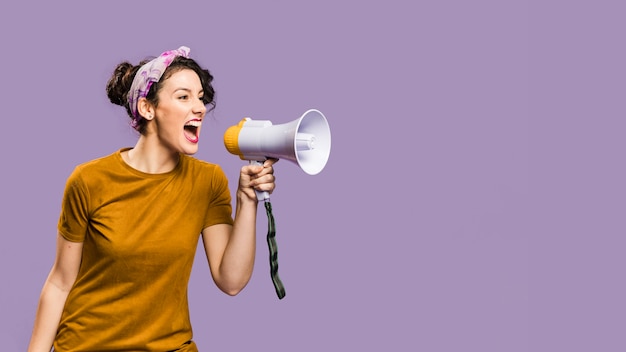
[[184, 97]]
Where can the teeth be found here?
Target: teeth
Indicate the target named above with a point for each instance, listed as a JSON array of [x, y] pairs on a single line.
[[194, 123]]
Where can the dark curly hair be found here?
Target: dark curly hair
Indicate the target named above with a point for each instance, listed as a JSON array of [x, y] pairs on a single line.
[[119, 84]]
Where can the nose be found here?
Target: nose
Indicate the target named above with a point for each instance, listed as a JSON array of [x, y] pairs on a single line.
[[199, 108]]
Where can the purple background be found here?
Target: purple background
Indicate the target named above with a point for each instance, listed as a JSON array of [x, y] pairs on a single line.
[[473, 199]]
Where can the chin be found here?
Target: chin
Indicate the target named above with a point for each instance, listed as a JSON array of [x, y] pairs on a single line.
[[188, 147], [190, 151]]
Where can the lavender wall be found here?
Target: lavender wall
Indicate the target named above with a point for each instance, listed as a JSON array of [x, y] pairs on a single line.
[[474, 196]]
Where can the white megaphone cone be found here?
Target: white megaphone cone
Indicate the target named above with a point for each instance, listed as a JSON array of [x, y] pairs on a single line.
[[305, 142]]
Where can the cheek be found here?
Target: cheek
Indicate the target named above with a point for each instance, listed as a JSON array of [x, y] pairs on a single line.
[[168, 126]]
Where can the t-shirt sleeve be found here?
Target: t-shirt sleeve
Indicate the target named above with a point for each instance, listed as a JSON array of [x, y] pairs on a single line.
[[74, 209], [220, 208]]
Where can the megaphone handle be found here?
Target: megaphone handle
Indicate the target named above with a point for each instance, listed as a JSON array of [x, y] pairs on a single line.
[[260, 195]]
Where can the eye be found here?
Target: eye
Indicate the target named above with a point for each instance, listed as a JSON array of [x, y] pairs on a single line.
[[183, 97]]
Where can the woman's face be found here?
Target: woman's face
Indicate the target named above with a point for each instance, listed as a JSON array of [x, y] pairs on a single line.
[[178, 116]]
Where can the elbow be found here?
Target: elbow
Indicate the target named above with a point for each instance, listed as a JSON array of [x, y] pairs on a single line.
[[231, 292], [232, 289], [231, 285]]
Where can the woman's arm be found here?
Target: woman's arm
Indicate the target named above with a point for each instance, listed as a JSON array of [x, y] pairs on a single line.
[[54, 293], [230, 249]]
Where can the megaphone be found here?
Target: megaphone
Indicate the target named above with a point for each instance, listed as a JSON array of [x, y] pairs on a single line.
[[304, 141]]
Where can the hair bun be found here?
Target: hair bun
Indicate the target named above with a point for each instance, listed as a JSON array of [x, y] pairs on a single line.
[[120, 82]]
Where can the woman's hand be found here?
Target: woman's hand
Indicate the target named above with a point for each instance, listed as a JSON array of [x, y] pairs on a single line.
[[256, 177]]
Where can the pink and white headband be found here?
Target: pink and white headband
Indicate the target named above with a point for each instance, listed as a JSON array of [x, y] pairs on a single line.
[[146, 75]]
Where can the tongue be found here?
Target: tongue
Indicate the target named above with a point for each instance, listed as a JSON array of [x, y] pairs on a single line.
[[190, 134]]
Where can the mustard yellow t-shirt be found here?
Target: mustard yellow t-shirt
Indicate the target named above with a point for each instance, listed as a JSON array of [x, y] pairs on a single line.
[[140, 232]]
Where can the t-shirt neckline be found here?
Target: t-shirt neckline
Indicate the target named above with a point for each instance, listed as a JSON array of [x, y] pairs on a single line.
[[176, 169]]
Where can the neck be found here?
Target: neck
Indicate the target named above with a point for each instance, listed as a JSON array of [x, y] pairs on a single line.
[[151, 157]]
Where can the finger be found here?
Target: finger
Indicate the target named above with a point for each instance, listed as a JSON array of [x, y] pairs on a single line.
[[261, 171], [267, 178], [270, 162], [266, 183], [251, 170]]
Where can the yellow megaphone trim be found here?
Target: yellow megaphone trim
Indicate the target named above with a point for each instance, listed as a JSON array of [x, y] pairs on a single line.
[[231, 138]]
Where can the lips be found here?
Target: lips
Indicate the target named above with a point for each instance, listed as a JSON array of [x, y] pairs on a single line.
[[192, 130]]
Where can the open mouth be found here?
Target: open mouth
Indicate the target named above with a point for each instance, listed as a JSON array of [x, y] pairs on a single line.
[[191, 130]]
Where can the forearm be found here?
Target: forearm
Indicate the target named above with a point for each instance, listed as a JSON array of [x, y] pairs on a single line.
[[51, 303], [238, 260]]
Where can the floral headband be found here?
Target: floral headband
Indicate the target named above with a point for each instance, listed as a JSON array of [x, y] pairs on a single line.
[[146, 75]]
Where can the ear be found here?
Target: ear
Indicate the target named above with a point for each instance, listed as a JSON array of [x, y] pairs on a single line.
[[145, 109]]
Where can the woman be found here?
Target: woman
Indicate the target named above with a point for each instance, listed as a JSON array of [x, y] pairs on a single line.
[[130, 222]]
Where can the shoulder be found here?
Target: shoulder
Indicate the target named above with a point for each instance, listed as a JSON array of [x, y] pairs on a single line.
[[196, 165], [93, 168], [204, 171]]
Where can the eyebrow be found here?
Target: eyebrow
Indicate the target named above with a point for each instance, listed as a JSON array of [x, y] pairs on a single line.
[[187, 90]]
